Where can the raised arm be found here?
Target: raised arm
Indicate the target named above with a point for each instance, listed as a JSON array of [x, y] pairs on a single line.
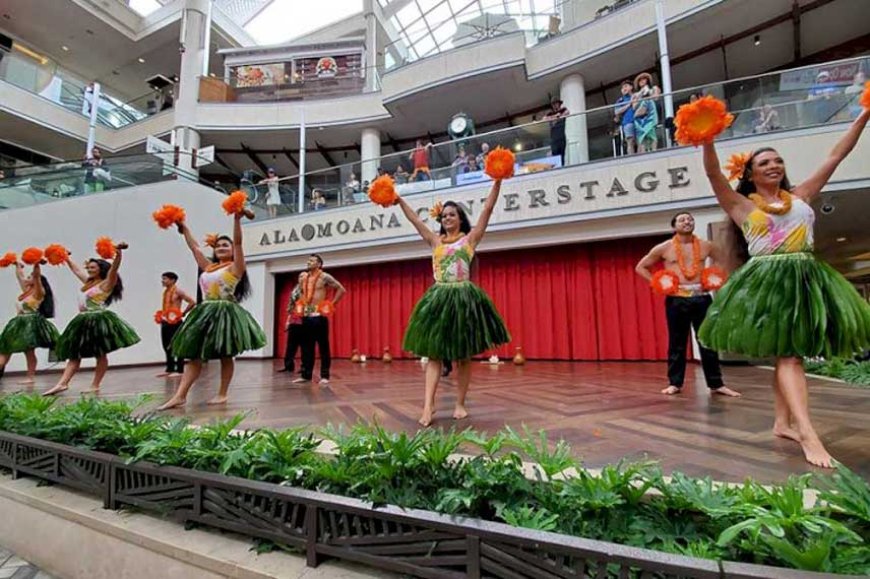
[[77, 270], [650, 260], [36, 276], [734, 204], [810, 189], [112, 276], [479, 228], [19, 274], [202, 261], [239, 265], [427, 234], [336, 285]]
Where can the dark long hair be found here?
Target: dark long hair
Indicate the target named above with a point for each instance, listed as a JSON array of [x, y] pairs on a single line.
[[243, 288], [118, 290], [734, 239], [464, 223], [46, 308]]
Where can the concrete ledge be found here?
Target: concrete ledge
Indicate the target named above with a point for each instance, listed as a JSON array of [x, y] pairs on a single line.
[[71, 536]]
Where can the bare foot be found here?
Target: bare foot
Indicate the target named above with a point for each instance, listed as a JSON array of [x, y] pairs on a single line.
[[92, 390], [174, 375], [173, 403], [671, 390], [726, 391], [815, 452], [218, 400], [786, 431], [56, 390], [460, 412], [27, 381], [162, 375], [426, 419]]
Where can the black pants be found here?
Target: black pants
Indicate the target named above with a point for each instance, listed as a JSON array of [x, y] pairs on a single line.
[[167, 331], [683, 313], [557, 148], [294, 344], [315, 332]]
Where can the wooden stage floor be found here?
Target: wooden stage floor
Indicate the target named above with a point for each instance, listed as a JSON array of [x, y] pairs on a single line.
[[606, 411]]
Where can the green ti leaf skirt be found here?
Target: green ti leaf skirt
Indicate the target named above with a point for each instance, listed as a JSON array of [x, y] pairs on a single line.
[[28, 332], [454, 321], [217, 329], [95, 333], [786, 305]]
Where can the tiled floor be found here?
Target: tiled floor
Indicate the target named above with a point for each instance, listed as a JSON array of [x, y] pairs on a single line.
[[12, 567]]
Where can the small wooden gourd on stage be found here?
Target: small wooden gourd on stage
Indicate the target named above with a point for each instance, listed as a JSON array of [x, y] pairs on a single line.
[[387, 356], [354, 357], [519, 359]]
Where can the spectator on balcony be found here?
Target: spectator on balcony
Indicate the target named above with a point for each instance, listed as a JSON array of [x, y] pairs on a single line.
[[97, 174], [646, 116], [381, 172], [420, 157], [823, 102], [401, 175], [556, 116], [460, 162], [352, 183], [481, 157], [853, 94], [318, 201], [624, 117], [273, 195], [471, 163], [87, 99], [767, 120]]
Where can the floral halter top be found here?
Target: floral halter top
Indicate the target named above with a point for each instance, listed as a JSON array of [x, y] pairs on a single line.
[[219, 284], [92, 299], [768, 234], [28, 304], [451, 262]]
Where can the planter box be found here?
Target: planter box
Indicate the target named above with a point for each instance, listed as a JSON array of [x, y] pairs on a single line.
[[419, 543]]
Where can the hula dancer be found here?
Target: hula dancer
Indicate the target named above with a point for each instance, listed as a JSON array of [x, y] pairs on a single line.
[[218, 328], [688, 298], [170, 317], [455, 319], [783, 303], [293, 326], [30, 329], [95, 331]]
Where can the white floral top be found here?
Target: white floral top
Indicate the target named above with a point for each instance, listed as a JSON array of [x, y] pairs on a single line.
[[92, 299], [768, 234], [451, 262], [28, 304], [219, 284]]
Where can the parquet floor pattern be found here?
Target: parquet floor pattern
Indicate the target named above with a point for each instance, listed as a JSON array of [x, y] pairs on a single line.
[[606, 411]]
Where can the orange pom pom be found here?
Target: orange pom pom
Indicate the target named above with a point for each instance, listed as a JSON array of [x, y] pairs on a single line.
[[383, 191], [499, 163], [8, 259], [173, 316], [736, 165], [665, 282], [56, 254], [234, 204], [713, 278], [699, 122], [299, 308], [864, 101], [31, 255], [105, 248], [326, 308], [158, 317], [168, 215], [210, 240]]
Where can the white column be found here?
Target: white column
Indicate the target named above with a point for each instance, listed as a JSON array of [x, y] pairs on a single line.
[[92, 121], [186, 139], [572, 91], [370, 154], [194, 50], [371, 59], [300, 197], [664, 59]]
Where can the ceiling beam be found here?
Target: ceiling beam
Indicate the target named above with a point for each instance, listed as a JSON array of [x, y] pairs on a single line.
[[253, 156], [393, 143], [324, 152], [223, 163], [796, 28], [290, 158]]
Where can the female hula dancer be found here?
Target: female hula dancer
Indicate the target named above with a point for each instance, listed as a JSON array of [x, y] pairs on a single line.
[[30, 329], [784, 303], [218, 328], [455, 319], [95, 331]]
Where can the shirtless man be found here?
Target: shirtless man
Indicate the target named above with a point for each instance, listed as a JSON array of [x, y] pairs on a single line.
[[689, 305], [315, 284], [173, 298]]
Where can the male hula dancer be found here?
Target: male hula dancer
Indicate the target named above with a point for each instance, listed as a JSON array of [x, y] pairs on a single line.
[[684, 255], [293, 325], [170, 320], [314, 307]]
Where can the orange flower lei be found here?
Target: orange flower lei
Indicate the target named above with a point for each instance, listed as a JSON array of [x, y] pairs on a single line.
[[168, 297], [310, 285], [217, 266], [689, 274], [784, 196]]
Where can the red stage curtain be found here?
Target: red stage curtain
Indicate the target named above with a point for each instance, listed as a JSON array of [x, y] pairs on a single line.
[[568, 302]]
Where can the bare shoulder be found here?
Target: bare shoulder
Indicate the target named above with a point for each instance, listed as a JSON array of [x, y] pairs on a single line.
[[328, 279]]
